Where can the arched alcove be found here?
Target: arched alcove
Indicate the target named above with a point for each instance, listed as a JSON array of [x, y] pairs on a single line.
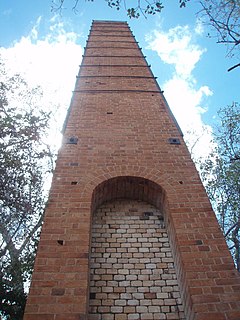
[[132, 274]]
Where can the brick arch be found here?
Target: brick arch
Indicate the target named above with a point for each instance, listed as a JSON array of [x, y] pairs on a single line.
[[129, 187], [161, 178]]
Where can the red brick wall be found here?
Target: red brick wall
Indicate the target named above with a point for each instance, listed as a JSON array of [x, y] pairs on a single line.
[[123, 126]]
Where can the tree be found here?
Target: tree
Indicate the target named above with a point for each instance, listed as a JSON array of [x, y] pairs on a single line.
[[141, 7], [25, 162], [220, 173], [223, 19]]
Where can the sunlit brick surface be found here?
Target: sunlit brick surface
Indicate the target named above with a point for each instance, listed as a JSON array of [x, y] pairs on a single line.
[[132, 269]]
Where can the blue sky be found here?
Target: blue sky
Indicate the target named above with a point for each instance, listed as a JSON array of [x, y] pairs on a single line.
[[191, 68]]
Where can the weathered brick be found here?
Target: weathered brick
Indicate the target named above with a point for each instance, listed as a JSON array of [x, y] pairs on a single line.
[[107, 317], [121, 317], [154, 309], [116, 309], [120, 302], [126, 295], [132, 277], [134, 302], [120, 277], [138, 296], [141, 309], [134, 316], [146, 316], [129, 309], [146, 302]]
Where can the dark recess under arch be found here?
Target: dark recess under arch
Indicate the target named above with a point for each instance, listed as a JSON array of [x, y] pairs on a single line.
[[129, 187]]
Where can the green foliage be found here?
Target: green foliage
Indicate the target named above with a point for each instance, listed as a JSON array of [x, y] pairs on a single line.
[[134, 9], [25, 162], [221, 176]]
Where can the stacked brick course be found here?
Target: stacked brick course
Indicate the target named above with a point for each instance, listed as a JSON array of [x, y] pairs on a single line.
[[118, 144], [132, 269]]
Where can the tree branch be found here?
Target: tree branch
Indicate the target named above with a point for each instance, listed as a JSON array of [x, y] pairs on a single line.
[[233, 67], [231, 228]]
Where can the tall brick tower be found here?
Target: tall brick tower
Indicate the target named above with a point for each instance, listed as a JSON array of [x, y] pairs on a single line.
[[129, 232]]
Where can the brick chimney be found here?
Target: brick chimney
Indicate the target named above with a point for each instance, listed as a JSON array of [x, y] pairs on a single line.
[[129, 232]]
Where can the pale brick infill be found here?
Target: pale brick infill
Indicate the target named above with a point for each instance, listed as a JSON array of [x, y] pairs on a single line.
[[121, 141], [132, 270]]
